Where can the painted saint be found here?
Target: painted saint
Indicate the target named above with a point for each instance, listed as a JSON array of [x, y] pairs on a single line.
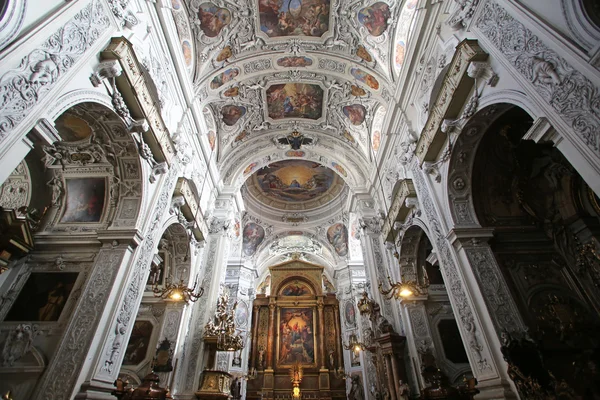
[[213, 19], [356, 113], [337, 235], [375, 18], [253, 236], [232, 114], [293, 17]]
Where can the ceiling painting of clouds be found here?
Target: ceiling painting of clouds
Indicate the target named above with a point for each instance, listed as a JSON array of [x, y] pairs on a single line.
[[293, 17], [295, 100], [295, 180]]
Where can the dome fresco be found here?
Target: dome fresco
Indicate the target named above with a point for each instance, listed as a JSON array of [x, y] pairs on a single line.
[[295, 184]]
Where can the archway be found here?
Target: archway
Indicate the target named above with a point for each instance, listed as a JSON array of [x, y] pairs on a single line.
[[434, 337], [544, 222]]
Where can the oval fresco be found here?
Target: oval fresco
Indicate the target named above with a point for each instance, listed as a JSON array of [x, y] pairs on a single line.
[[213, 19], [375, 18], [295, 100], [365, 78], [232, 92], [224, 77], [212, 139], [293, 17], [337, 235], [253, 236], [224, 54], [241, 314], [363, 53], [357, 91], [356, 113], [294, 62], [232, 114], [376, 141], [294, 180], [186, 48], [350, 313], [176, 4]]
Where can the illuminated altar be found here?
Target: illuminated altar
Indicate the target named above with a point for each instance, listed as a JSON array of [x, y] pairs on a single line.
[[298, 324]]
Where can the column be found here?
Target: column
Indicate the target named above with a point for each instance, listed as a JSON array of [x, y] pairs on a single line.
[[191, 362], [388, 366], [482, 347], [321, 332], [338, 330]]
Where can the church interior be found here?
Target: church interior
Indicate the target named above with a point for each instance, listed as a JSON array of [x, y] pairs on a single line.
[[299, 199]]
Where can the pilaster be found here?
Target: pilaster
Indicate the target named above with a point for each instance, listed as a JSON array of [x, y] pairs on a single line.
[[486, 364]]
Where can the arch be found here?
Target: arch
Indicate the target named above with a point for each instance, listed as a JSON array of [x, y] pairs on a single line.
[[583, 20], [11, 21], [79, 96], [96, 154], [458, 181], [174, 248]]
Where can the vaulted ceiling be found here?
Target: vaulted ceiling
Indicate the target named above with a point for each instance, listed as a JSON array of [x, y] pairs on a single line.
[[295, 93]]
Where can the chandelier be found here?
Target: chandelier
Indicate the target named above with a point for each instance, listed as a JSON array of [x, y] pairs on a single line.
[[354, 344], [222, 326], [403, 290], [178, 292]]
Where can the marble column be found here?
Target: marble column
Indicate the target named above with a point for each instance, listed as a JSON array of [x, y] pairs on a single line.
[[321, 333]]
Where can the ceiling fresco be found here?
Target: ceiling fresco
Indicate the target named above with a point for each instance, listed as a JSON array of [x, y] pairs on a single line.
[[294, 181], [294, 17], [263, 69], [295, 100]]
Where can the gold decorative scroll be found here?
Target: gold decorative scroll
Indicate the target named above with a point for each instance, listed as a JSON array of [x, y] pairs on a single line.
[[191, 208], [134, 85], [398, 209], [450, 100]]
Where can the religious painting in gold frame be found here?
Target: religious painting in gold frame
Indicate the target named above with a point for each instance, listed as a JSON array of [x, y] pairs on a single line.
[[297, 336]]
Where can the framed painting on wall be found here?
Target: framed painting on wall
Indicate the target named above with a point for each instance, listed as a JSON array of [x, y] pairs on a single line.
[[43, 297], [296, 336], [85, 199], [137, 348]]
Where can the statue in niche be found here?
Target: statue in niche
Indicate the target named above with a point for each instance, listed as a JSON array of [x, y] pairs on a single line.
[[356, 390]]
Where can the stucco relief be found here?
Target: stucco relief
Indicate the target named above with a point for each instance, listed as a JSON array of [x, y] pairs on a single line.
[[568, 92], [39, 71], [475, 344]]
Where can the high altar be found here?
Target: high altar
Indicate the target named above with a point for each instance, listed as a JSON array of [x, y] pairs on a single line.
[[298, 324]]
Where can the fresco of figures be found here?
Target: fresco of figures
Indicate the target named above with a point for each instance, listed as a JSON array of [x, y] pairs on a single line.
[[295, 100], [356, 113], [337, 235], [294, 62], [232, 114], [213, 19], [294, 180], [297, 336], [253, 236], [85, 200], [293, 17], [375, 18]]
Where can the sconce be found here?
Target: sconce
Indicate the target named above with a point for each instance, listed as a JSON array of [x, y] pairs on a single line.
[[251, 375]]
